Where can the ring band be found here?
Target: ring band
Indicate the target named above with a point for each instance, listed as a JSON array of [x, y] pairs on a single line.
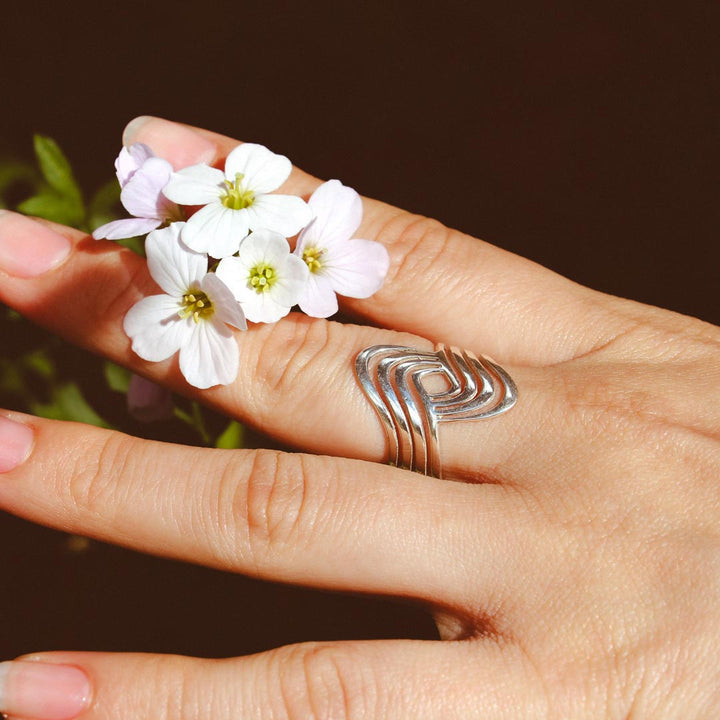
[[391, 376]]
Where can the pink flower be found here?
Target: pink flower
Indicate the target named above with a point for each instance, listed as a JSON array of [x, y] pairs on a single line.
[[142, 177], [339, 264], [130, 160], [147, 401]]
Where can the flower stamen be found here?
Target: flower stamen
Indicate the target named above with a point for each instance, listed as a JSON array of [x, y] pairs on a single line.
[[237, 197], [197, 304], [262, 278], [312, 257]]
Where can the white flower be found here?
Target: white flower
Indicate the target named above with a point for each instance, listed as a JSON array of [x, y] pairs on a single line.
[[338, 263], [192, 316], [265, 277], [142, 177], [237, 200]]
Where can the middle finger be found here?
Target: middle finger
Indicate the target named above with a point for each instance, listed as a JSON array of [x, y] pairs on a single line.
[[296, 378]]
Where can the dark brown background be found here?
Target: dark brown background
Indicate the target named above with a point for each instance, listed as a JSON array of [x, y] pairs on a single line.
[[583, 135]]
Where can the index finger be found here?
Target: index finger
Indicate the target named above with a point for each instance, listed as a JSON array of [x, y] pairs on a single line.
[[443, 284]]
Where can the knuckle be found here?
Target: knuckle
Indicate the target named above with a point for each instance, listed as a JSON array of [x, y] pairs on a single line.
[[300, 346], [92, 481], [603, 402], [418, 244], [322, 681], [274, 503]]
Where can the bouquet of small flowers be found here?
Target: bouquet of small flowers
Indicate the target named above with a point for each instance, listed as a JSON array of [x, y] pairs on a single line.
[[217, 246]]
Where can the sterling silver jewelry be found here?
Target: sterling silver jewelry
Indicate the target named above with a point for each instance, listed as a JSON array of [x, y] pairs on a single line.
[[391, 377]]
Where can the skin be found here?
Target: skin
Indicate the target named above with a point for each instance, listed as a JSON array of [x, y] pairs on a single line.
[[574, 571]]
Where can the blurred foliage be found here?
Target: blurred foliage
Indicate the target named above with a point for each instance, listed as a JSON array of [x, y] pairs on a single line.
[[231, 437], [46, 376], [54, 192], [57, 197]]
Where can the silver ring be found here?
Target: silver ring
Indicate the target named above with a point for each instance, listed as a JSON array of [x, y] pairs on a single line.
[[391, 377]]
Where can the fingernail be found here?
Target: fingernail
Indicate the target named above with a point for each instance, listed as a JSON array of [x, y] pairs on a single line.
[[28, 248], [178, 144], [16, 441], [43, 691]]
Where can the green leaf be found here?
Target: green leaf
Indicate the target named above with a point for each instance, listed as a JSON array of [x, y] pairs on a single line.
[[55, 167], [194, 419], [231, 437], [68, 403], [53, 207], [10, 378], [40, 362], [186, 417], [118, 378], [199, 422]]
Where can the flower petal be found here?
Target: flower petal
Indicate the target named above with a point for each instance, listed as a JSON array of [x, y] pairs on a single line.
[[126, 228], [319, 299], [210, 356], [263, 169], [264, 246], [338, 212], [131, 159], [227, 308], [284, 214], [216, 230], [195, 185], [173, 265], [292, 277], [233, 273], [143, 196], [357, 268], [156, 330], [262, 307]]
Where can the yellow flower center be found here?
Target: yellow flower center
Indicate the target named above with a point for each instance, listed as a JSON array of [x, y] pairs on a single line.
[[262, 278], [312, 257], [197, 304], [237, 197]]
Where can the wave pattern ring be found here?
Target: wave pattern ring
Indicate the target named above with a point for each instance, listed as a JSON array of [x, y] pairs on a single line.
[[391, 377]]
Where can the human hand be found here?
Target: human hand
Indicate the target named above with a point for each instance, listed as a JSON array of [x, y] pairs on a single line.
[[573, 574]]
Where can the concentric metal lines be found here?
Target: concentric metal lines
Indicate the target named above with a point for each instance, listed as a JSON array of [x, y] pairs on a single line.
[[391, 376]]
